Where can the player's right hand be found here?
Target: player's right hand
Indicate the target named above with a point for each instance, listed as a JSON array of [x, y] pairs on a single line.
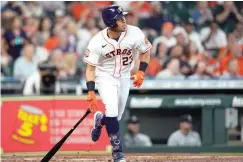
[[92, 101]]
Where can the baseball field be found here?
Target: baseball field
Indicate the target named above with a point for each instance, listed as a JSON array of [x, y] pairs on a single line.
[[129, 157]]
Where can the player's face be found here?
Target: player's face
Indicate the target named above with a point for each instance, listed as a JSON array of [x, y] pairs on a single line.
[[133, 127], [186, 126], [121, 24]]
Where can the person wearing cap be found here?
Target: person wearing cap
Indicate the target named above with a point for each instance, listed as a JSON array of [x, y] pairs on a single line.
[[192, 34], [166, 37], [188, 31], [134, 138], [185, 136]]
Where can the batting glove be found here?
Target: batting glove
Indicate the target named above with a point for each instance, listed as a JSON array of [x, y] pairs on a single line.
[[92, 101], [138, 78]]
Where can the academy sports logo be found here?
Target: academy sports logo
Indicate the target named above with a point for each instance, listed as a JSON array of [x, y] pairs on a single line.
[[237, 101], [197, 101]]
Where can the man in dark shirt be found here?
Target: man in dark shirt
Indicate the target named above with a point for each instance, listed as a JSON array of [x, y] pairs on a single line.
[[227, 16]]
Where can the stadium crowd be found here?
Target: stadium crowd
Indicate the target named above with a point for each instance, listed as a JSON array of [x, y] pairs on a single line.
[[191, 40]]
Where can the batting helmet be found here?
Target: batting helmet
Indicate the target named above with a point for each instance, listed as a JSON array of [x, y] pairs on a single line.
[[111, 14]]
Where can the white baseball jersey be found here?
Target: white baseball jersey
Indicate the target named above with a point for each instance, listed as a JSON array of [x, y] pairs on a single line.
[[116, 57]]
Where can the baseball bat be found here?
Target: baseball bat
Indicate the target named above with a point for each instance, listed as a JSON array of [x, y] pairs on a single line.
[[58, 145]]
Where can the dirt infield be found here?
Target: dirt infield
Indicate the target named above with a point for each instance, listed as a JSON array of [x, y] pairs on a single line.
[[130, 158]]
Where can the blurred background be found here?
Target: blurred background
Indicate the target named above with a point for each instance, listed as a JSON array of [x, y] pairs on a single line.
[[193, 90]]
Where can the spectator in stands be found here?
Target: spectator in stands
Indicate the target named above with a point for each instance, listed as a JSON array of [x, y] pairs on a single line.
[[134, 138], [16, 8], [181, 40], [124, 4], [185, 68], [64, 43], [61, 18], [154, 67], [72, 35], [53, 42], [213, 37], [167, 37], [26, 64], [157, 17], [176, 51], [41, 53], [238, 32], [31, 27], [57, 59], [142, 9], [200, 72], [179, 52], [33, 9], [5, 60], [193, 54], [232, 72], [49, 7], [82, 11], [44, 30], [162, 53], [185, 136], [193, 35], [131, 19], [85, 34], [157, 61], [15, 38], [172, 71], [66, 64], [202, 14], [233, 50], [227, 16]]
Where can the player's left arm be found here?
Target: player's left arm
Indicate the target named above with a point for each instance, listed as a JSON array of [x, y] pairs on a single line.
[[144, 47], [91, 58]]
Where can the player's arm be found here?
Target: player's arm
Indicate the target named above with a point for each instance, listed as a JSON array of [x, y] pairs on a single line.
[[90, 83], [144, 47], [91, 58], [138, 77], [90, 73], [144, 59]]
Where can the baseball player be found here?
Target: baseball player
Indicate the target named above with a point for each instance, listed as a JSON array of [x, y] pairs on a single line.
[[110, 57]]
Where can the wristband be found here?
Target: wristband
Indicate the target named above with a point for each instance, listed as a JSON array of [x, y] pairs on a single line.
[[90, 85], [143, 66]]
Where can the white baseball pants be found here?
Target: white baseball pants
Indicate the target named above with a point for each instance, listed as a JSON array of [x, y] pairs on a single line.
[[114, 93]]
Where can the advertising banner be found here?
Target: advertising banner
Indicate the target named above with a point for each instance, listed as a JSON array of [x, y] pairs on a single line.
[[38, 124], [185, 101]]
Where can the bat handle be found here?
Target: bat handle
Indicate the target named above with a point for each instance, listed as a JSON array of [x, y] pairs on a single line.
[[89, 110]]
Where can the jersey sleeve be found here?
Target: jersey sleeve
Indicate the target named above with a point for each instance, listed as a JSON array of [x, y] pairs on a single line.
[[92, 53], [142, 44]]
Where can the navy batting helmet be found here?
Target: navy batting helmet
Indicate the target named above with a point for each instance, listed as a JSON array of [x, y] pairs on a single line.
[[111, 14]]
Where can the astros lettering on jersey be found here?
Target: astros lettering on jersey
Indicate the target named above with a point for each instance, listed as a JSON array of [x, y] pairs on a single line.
[[116, 57]]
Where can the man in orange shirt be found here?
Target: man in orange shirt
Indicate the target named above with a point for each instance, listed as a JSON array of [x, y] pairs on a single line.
[[232, 52], [232, 72]]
